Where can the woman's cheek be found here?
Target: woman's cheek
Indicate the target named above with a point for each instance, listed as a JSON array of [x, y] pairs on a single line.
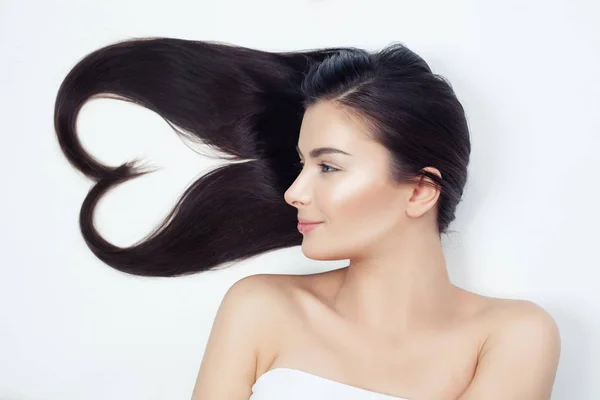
[[346, 199]]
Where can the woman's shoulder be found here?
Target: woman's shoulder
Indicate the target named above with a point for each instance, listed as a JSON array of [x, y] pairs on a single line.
[[274, 306], [317, 284], [286, 290], [499, 320], [284, 302], [505, 309], [508, 315]]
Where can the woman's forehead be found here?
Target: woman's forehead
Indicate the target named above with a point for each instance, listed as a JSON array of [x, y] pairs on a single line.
[[325, 125]]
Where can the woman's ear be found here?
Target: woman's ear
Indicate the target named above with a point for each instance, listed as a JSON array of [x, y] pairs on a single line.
[[424, 194]]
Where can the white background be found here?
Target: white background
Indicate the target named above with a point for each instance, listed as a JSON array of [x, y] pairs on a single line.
[[73, 328]]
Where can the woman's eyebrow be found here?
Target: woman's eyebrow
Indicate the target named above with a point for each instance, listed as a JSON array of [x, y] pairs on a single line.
[[314, 153]]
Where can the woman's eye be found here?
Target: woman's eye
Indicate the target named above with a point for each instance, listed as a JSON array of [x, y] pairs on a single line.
[[331, 169], [322, 165]]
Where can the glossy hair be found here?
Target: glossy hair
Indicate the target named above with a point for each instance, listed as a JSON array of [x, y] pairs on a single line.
[[249, 104]]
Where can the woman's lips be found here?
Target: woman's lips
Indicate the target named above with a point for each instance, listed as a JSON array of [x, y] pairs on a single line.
[[305, 228]]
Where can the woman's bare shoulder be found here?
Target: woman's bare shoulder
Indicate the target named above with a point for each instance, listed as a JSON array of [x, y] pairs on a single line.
[[498, 317], [291, 287], [277, 296], [268, 291], [504, 309], [283, 300], [275, 302], [523, 341]]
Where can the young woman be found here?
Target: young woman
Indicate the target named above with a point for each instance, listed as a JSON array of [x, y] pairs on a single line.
[[351, 154]]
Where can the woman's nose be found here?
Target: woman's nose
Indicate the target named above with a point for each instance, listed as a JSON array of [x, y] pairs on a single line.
[[297, 193]]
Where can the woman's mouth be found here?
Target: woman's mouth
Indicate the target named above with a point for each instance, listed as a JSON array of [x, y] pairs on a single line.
[[305, 228]]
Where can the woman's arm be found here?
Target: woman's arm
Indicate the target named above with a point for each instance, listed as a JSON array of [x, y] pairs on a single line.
[[228, 368]]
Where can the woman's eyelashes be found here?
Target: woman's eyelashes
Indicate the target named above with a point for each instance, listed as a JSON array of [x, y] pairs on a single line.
[[322, 165]]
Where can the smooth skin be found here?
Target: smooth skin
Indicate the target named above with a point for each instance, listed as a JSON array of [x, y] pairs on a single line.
[[391, 321]]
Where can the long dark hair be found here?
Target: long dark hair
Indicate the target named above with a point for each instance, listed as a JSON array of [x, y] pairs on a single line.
[[249, 104]]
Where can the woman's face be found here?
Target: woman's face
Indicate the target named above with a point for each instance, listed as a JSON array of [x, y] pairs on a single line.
[[351, 194]]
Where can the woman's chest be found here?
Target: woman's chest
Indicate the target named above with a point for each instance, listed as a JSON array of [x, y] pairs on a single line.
[[435, 365]]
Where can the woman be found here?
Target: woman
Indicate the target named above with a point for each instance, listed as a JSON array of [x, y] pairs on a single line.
[[353, 155]]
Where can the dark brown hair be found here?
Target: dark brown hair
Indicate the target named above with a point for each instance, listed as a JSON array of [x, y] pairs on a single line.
[[249, 104]]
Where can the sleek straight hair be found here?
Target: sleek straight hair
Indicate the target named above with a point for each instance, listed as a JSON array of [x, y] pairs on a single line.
[[248, 104]]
